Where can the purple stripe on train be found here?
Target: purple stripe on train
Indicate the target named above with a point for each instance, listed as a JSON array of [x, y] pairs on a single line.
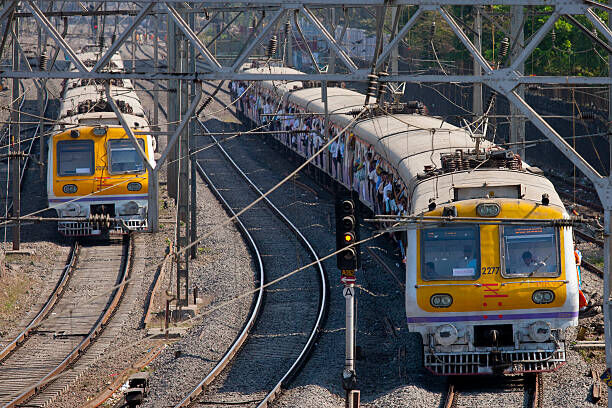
[[488, 317], [100, 198]]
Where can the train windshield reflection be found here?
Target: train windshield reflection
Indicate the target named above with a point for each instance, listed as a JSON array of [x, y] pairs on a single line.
[[124, 158], [450, 253], [530, 251]]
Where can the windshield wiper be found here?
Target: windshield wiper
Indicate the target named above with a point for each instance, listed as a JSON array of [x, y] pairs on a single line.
[[541, 264]]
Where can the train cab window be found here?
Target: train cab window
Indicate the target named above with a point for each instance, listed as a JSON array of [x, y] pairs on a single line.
[[75, 158], [124, 158], [530, 250], [450, 253]]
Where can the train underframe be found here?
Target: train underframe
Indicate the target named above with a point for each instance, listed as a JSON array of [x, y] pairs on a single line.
[[511, 354], [103, 218]]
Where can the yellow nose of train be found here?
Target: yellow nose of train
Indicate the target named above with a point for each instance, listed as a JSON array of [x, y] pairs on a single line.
[[495, 281]]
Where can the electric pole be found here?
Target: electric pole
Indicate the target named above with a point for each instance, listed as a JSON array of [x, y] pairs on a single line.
[[15, 147], [517, 124], [477, 87]]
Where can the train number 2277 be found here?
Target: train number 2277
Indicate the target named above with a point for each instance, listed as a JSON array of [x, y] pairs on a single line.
[[490, 270]]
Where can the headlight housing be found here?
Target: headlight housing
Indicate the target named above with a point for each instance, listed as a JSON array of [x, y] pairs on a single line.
[[70, 188], [134, 186], [441, 300], [446, 334], [129, 208], [539, 331], [488, 209], [542, 297]]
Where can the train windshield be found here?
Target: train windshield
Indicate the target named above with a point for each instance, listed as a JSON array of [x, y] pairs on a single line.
[[530, 250], [124, 158], [75, 158], [450, 253]]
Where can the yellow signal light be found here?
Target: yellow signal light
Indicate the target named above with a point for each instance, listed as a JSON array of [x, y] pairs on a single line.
[[348, 237]]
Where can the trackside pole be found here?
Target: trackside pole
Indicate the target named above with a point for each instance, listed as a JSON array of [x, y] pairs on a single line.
[[606, 201], [349, 379]]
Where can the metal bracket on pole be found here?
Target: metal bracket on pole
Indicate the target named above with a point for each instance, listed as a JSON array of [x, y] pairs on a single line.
[[37, 82], [182, 124], [46, 24], [554, 137], [340, 52], [193, 38], [600, 25], [122, 38], [400, 35], [6, 11], [257, 40], [465, 40], [535, 41]]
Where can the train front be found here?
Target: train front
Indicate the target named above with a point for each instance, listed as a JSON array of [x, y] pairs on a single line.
[[96, 173], [493, 298]]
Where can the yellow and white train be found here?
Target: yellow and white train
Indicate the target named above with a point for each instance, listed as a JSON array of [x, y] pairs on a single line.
[[493, 295], [93, 170]]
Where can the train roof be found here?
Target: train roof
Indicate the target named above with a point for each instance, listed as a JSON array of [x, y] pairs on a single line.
[[409, 142], [103, 119], [279, 87], [76, 96], [95, 56]]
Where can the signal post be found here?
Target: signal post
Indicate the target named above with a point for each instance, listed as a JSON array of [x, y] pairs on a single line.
[[348, 261]]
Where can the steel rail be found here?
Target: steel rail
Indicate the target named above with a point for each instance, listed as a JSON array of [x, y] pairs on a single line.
[[450, 400], [531, 383], [92, 335], [256, 308], [323, 288], [48, 306], [592, 268], [534, 384]]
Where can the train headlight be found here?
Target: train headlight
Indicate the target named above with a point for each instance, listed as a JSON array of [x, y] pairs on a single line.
[[69, 188], [542, 297], [99, 131], [441, 300], [488, 209], [446, 334], [134, 186], [129, 208], [539, 331]]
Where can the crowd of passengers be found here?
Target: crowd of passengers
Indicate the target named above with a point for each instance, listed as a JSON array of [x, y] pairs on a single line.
[[348, 159]]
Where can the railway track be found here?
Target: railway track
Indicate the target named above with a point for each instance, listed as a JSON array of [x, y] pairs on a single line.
[[466, 392], [82, 304], [290, 315]]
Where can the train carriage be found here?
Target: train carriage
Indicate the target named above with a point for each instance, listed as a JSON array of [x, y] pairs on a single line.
[[493, 295], [94, 171]]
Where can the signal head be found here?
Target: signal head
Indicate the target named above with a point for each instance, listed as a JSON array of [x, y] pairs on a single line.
[[348, 222], [347, 206]]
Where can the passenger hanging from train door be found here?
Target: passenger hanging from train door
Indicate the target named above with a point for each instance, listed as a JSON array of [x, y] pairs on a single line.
[[333, 150], [341, 161], [582, 300]]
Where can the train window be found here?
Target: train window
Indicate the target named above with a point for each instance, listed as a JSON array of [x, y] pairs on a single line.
[[450, 253], [124, 158], [530, 250], [75, 158]]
